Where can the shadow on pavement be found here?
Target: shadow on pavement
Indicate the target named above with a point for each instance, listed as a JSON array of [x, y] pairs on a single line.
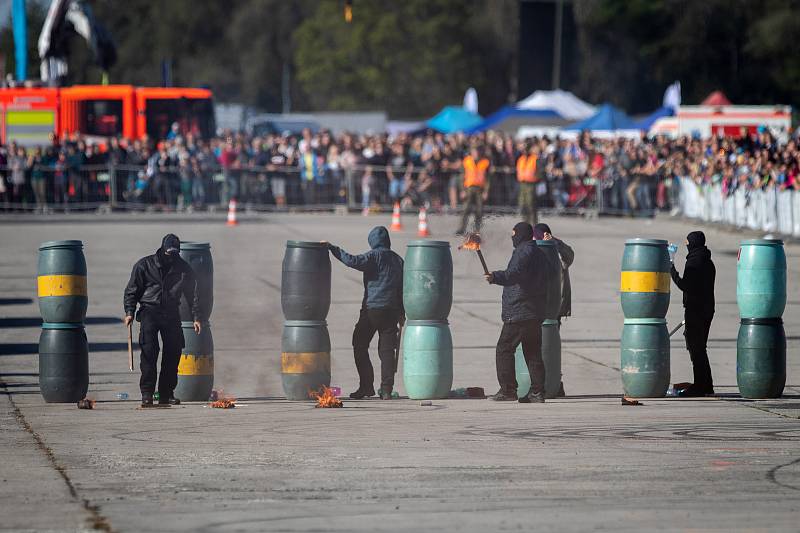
[[16, 301], [35, 321], [27, 348]]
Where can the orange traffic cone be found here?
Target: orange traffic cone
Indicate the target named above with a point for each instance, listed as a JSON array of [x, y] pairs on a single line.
[[397, 224], [232, 213], [423, 223]]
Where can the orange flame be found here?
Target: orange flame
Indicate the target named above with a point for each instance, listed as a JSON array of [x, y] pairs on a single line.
[[472, 241], [223, 401], [326, 398]]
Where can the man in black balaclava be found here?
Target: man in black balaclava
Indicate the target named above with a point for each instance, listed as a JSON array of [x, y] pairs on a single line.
[[524, 294], [381, 310], [697, 285], [157, 283]]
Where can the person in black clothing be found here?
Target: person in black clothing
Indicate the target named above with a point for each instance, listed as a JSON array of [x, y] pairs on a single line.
[[697, 285], [524, 294], [157, 283], [381, 310]]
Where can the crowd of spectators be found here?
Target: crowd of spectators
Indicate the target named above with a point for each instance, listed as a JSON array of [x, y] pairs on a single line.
[[626, 176]]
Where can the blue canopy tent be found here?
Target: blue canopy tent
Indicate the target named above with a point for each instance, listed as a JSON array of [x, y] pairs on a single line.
[[647, 122], [507, 112], [452, 119], [607, 118]]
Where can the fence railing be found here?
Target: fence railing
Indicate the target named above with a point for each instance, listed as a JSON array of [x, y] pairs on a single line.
[[770, 209]]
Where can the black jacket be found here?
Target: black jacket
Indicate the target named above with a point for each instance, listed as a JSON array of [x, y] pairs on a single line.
[[567, 257], [524, 284], [698, 282], [383, 271], [153, 286]]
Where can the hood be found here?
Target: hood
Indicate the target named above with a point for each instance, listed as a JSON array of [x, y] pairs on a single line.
[[696, 239], [523, 232], [539, 230], [379, 238]]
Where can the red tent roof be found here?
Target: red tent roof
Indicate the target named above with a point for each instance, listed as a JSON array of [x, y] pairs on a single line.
[[716, 98]]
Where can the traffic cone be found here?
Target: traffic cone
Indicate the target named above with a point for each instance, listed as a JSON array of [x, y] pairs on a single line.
[[397, 224], [232, 213], [423, 223]]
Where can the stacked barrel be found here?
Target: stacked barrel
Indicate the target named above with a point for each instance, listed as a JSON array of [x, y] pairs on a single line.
[[551, 336], [427, 298], [305, 300], [196, 365], [63, 349], [644, 292], [761, 296]]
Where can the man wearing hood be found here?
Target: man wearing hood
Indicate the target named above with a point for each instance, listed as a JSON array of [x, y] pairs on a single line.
[[697, 285], [524, 284], [381, 310], [157, 283]]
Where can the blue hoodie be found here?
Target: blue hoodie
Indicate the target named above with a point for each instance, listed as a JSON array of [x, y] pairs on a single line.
[[382, 268]]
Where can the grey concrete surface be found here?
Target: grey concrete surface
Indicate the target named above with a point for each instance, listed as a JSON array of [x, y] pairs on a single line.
[[575, 464]]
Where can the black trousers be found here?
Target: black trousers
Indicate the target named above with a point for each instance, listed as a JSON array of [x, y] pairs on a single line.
[[696, 333], [169, 326], [529, 333], [384, 322]]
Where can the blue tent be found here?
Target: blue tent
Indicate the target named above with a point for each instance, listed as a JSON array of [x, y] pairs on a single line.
[[607, 118], [647, 122], [452, 119], [506, 112]]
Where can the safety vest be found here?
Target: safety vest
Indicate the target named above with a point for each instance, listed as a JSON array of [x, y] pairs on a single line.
[[475, 173], [526, 168]]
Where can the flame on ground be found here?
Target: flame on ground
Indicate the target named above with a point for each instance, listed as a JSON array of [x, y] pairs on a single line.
[[472, 241], [223, 401], [326, 398]]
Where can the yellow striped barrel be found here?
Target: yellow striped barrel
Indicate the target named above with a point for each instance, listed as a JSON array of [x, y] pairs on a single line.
[[645, 280], [61, 282], [305, 358], [196, 365]]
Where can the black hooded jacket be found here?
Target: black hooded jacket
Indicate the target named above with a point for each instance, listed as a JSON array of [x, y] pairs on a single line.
[[156, 285], [697, 283], [524, 284], [382, 268]]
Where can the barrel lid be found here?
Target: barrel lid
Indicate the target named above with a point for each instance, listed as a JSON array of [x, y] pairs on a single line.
[[432, 244], [61, 244], [427, 323], [306, 244], [192, 245], [62, 325], [305, 323], [190, 325], [648, 321], [762, 242], [549, 321], [651, 242], [762, 321], [545, 243]]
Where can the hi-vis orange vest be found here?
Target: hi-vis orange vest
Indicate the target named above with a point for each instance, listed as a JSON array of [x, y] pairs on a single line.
[[475, 173], [526, 168]]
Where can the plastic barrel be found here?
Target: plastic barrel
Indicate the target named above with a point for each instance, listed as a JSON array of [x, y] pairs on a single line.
[[554, 273], [761, 279], [306, 281], [645, 280], [198, 256], [427, 359], [61, 280], [645, 357], [63, 363], [428, 280], [305, 358], [196, 366], [761, 358], [551, 355]]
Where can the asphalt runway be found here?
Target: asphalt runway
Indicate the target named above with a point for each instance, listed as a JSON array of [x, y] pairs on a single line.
[[579, 463]]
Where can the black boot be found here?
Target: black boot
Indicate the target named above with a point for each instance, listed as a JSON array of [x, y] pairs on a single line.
[[147, 400], [386, 394], [504, 396], [532, 398], [362, 393], [168, 401]]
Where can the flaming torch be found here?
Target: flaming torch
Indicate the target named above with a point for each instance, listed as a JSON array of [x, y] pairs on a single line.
[[473, 242]]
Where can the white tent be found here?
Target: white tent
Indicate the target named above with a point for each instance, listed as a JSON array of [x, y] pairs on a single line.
[[563, 103]]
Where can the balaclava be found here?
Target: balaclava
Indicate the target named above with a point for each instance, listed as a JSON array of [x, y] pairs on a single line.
[[523, 232]]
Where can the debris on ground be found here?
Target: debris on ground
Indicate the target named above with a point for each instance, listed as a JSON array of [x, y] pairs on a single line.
[[630, 401], [86, 403]]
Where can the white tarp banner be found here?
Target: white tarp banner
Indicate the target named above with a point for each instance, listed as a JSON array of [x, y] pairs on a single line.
[[785, 217], [740, 203], [796, 212], [770, 209]]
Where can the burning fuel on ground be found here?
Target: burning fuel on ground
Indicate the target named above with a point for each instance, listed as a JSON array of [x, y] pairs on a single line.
[[326, 398]]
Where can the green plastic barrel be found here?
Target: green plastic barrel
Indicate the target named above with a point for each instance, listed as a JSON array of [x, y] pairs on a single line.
[[551, 355], [198, 256], [554, 273], [761, 279], [306, 281], [62, 282], [196, 366], [645, 357], [427, 359], [305, 358], [428, 280], [761, 358], [63, 363], [645, 280]]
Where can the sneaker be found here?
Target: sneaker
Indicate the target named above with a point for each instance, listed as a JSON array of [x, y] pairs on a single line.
[[503, 396], [532, 398], [362, 393], [695, 391]]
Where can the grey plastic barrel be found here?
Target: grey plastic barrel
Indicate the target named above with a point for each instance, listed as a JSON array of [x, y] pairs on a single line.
[[305, 358], [196, 365], [554, 273], [198, 256], [306, 281], [63, 363], [61, 281], [428, 280]]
